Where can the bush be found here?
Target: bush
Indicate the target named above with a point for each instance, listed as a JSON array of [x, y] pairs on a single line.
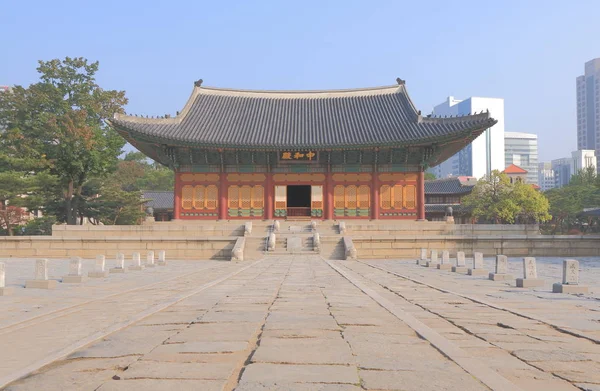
[[38, 226]]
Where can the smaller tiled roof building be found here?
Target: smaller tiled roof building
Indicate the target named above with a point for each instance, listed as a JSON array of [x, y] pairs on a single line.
[[442, 193], [161, 202]]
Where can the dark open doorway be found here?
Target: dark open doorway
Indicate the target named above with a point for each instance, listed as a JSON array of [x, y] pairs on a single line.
[[298, 200]]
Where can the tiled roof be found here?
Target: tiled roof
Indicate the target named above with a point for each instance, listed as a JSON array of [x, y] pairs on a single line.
[[227, 118], [441, 208], [454, 185], [512, 169], [158, 199], [591, 211]]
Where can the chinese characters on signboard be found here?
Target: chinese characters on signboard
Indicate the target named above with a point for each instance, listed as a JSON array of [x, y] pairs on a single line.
[[298, 156]]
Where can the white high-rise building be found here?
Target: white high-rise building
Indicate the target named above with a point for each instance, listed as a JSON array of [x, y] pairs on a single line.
[[588, 108], [521, 149], [546, 180], [486, 152], [582, 159]]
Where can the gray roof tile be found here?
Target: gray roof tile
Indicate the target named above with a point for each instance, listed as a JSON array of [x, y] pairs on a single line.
[[454, 185], [158, 199], [291, 119]]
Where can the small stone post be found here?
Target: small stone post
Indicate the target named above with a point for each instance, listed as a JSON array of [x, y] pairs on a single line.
[[501, 270], [99, 268], [445, 265], [433, 261], [4, 291], [41, 276], [529, 279], [150, 259], [120, 266], [461, 265], [477, 269], [570, 279], [74, 276], [162, 257], [276, 226], [137, 263]]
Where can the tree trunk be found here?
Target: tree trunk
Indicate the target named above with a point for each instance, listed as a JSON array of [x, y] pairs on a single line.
[[71, 217]]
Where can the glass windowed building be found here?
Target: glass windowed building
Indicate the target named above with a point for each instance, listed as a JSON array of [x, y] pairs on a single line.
[[521, 149]]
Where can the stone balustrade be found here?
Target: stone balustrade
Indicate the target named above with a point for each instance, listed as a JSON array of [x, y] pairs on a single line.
[[350, 250], [317, 241], [271, 239], [237, 254]]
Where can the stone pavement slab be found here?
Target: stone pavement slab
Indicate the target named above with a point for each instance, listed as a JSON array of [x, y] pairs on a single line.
[[161, 385], [304, 351], [269, 373], [177, 370]]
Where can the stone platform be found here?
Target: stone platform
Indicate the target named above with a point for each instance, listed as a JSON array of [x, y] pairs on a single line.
[[383, 239]]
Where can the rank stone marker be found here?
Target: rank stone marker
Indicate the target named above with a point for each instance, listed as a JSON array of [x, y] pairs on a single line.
[[120, 268], [150, 259], [570, 279], [477, 269], [162, 258], [529, 279], [41, 276], [461, 265], [99, 268], [4, 291], [501, 270], [423, 259], [433, 261], [137, 263], [445, 265], [74, 276]]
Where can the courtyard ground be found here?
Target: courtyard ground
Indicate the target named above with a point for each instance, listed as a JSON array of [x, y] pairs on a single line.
[[299, 323]]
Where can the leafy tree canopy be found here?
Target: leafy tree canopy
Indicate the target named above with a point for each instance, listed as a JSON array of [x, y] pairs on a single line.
[[61, 121], [495, 199]]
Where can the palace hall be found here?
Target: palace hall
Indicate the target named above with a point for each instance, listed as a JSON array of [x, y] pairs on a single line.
[[330, 154]]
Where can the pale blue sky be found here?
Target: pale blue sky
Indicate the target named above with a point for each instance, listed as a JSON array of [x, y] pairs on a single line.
[[527, 52]]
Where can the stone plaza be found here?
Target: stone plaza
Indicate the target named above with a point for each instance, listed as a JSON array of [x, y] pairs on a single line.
[[299, 321]]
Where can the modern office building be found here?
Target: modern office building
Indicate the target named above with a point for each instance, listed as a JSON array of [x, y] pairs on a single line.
[[486, 152], [521, 149], [546, 179], [588, 108], [566, 167], [562, 171]]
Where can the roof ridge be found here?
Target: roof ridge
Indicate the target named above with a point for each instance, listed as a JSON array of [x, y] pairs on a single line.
[[335, 90]]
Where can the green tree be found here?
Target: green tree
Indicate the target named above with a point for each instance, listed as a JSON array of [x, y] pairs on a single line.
[[429, 176], [63, 117], [495, 199], [115, 206], [567, 203], [23, 179]]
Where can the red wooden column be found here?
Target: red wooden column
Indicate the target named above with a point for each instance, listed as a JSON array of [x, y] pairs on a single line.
[[375, 195], [328, 196], [177, 198], [421, 196], [269, 195], [223, 196]]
